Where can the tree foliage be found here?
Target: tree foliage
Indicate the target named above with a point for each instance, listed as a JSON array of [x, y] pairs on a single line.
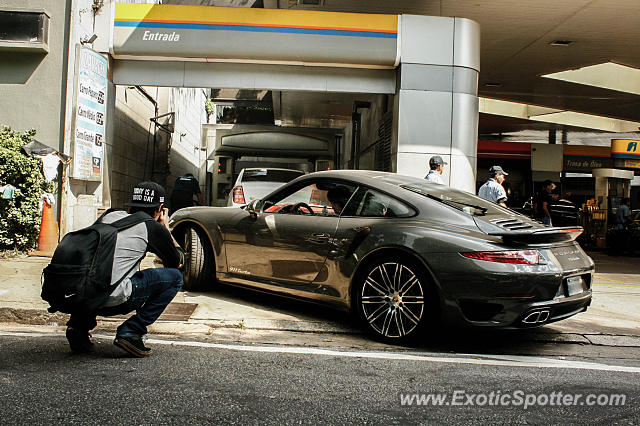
[[20, 217]]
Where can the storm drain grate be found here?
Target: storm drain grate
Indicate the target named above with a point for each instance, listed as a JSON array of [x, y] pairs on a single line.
[[174, 312]]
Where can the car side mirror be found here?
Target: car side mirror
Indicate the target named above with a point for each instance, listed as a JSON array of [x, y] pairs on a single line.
[[251, 209]]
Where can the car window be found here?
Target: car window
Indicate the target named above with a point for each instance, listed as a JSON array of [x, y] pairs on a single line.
[[460, 200], [318, 198], [270, 175], [375, 204]]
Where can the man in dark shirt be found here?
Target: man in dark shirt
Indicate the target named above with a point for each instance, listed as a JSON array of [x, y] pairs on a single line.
[[183, 191], [542, 201], [149, 291]]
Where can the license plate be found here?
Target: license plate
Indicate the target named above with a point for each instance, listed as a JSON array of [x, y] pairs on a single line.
[[575, 285]]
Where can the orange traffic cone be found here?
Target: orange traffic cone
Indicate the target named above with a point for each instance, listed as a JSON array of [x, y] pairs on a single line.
[[48, 238]]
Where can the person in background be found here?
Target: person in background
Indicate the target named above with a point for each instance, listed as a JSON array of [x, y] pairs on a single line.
[[542, 201], [436, 167], [492, 190], [623, 215], [183, 191]]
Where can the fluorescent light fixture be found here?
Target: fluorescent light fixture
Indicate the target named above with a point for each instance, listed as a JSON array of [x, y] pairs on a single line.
[[562, 43], [608, 75], [557, 116], [578, 175]]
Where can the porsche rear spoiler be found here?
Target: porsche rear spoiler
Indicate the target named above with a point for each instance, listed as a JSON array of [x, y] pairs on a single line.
[[540, 236]]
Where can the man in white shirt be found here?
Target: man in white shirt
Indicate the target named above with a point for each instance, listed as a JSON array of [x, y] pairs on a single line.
[[492, 190], [436, 166]]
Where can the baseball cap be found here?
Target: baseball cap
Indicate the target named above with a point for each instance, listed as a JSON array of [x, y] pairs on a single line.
[[497, 170], [436, 160], [147, 194]]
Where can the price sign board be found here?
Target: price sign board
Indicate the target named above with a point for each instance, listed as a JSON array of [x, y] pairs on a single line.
[[89, 130]]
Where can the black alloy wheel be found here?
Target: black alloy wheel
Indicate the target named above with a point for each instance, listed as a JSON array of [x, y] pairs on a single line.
[[394, 299]]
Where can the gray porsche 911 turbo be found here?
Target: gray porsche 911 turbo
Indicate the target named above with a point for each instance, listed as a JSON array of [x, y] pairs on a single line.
[[402, 253]]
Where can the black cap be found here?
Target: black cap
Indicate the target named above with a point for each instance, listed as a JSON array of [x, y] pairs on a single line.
[[436, 161], [147, 194], [497, 170]]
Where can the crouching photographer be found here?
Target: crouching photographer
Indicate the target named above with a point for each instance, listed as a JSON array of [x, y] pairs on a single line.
[[102, 277]]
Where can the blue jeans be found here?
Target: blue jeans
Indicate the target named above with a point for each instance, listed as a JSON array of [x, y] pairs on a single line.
[[546, 220], [151, 291]]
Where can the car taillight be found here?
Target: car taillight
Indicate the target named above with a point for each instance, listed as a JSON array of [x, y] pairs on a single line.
[[520, 257], [238, 195]]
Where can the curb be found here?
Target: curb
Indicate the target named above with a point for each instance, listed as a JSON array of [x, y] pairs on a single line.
[[205, 326], [42, 317]]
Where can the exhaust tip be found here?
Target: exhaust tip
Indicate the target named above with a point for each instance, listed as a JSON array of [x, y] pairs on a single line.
[[536, 317]]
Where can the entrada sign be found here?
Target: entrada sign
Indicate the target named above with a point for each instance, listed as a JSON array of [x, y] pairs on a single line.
[[206, 33]]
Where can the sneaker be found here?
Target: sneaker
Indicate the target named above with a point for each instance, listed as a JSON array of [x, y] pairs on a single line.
[[79, 341], [134, 345]]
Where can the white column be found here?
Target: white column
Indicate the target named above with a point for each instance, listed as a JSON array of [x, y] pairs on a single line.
[[436, 105]]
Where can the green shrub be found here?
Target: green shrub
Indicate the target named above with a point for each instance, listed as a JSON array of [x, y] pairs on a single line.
[[19, 217]]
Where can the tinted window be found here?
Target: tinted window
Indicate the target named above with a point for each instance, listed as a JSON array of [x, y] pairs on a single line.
[[269, 175], [463, 201], [376, 204], [324, 199]]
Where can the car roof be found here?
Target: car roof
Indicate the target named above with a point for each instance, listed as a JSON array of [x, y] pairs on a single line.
[[272, 168], [365, 176]]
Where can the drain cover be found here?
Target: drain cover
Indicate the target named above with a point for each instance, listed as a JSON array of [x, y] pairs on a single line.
[[174, 312]]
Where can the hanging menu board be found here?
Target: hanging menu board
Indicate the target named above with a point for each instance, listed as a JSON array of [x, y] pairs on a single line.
[[89, 129]]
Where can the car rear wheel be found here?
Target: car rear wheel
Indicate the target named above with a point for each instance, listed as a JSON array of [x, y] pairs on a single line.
[[394, 299], [199, 268]]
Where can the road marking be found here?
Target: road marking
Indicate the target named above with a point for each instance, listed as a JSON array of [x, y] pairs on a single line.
[[472, 359], [614, 281]]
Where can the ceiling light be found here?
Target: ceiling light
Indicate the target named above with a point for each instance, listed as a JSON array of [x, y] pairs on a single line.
[[564, 43], [608, 75], [493, 84]]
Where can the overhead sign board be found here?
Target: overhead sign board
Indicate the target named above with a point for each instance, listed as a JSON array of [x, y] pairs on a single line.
[[585, 164], [585, 158], [632, 164], [209, 33], [89, 128], [625, 148]]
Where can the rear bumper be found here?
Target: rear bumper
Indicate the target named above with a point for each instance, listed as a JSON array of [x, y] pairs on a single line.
[[517, 314], [558, 309]]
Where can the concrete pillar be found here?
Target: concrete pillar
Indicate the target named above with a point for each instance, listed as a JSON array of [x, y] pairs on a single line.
[[436, 102]]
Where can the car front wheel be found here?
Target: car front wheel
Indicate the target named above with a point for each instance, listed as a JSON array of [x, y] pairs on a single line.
[[199, 268], [394, 299]]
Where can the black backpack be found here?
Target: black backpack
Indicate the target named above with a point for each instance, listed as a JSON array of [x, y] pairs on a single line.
[[78, 279]]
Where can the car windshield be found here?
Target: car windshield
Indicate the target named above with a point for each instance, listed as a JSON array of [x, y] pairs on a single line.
[[270, 175], [463, 201]]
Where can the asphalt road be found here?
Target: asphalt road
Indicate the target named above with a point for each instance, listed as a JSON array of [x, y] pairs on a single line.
[[199, 382]]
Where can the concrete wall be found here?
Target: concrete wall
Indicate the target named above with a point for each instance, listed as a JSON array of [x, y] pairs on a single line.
[[130, 151], [33, 84], [131, 157], [186, 155]]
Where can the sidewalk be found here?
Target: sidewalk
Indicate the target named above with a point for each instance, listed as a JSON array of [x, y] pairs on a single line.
[[612, 320]]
